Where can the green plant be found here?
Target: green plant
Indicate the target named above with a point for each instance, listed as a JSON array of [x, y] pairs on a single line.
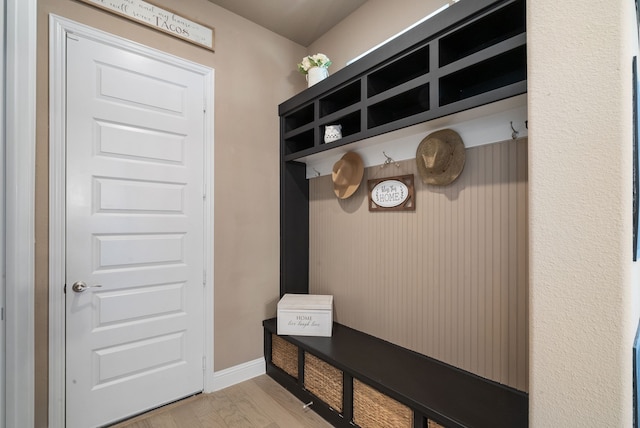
[[317, 60]]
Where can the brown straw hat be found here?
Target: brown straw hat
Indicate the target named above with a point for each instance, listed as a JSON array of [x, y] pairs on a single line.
[[347, 175], [440, 157]]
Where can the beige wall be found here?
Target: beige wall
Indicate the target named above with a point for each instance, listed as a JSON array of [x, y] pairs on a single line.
[[371, 24], [584, 287], [254, 72], [448, 280]]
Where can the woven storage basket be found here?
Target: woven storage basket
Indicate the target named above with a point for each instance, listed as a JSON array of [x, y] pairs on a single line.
[[323, 380], [371, 408], [432, 424], [284, 355]]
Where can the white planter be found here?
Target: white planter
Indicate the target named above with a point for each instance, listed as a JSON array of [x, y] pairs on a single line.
[[316, 74], [332, 133]]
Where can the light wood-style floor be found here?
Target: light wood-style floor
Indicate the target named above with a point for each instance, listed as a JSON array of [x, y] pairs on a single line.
[[256, 403]]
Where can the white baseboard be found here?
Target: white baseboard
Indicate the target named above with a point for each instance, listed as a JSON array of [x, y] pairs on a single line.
[[237, 374]]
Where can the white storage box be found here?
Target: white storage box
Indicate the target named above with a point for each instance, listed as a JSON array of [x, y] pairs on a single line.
[[305, 315]]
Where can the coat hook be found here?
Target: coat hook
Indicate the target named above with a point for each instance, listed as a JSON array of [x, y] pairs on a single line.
[[526, 124], [388, 161], [514, 134]]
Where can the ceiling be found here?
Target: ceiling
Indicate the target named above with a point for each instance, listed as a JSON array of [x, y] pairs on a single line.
[[302, 21]]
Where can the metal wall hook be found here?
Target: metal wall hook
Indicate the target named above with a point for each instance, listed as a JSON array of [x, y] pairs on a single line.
[[514, 134], [388, 161]]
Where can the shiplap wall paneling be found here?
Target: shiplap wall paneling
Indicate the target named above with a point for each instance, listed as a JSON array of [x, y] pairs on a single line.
[[449, 280]]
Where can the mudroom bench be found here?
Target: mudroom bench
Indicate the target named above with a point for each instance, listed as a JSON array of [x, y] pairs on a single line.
[[354, 379]]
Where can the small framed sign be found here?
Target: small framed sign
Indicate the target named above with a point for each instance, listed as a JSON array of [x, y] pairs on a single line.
[[392, 194], [160, 19]]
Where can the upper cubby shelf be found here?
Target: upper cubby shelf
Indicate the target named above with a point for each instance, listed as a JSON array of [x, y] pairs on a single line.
[[471, 54]]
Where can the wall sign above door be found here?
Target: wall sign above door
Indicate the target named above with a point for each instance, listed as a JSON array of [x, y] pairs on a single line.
[[160, 19]]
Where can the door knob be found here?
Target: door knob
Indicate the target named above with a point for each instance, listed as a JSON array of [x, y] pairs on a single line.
[[80, 286]]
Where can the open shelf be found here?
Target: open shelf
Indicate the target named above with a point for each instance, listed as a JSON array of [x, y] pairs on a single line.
[[350, 124], [493, 73], [476, 54], [399, 107], [339, 99], [489, 30], [404, 69], [302, 116], [299, 142]]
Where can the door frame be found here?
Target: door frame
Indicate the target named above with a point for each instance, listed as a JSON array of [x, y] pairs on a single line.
[[58, 29], [19, 142]]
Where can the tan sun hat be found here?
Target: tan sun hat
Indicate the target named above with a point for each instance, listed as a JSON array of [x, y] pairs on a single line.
[[440, 157], [347, 175]]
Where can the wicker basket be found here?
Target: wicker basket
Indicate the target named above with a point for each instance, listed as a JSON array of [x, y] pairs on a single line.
[[324, 381], [284, 355], [432, 424], [372, 408]]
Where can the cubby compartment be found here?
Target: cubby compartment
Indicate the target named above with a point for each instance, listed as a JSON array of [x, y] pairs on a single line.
[[324, 381], [499, 71], [406, 104], [284, 355], [341, 98], [298, 142], [350, 125], [404, 69], [488, 30], [372, 409], [299, 118]]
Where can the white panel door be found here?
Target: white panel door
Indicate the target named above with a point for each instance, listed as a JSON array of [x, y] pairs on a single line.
[[135, 130]]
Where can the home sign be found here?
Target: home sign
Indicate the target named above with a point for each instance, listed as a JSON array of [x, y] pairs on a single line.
[[305, 315], [160, 19], [392, 194]]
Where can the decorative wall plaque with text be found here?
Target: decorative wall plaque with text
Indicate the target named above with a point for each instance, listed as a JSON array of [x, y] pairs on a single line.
[[160, 19], [392, 194]]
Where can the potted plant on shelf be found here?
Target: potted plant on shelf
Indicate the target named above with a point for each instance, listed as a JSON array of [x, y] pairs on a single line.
[[315, 68]]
